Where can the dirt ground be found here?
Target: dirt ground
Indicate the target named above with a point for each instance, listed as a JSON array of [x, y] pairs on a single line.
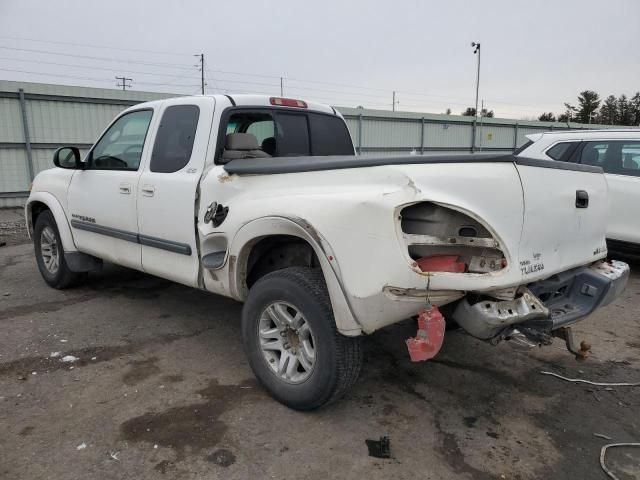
[[161, 389]]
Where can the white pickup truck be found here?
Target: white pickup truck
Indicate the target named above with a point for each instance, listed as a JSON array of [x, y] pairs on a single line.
[[262, 199]]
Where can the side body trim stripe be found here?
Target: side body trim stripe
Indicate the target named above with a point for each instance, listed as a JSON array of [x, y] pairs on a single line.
[[146, 240]]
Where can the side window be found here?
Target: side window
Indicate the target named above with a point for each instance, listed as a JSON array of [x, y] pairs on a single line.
[[615, 157], [120, 148], [174, 140], [631, 159], [329, 136], [292, 135], [560, 150], [594, 153]]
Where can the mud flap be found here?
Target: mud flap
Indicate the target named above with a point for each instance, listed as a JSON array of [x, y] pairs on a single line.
[[428, 340]]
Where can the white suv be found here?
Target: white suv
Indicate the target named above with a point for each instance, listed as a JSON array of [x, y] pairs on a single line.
[[617, 151]]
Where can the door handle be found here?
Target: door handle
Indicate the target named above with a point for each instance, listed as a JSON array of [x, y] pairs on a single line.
[[148, 190], [582, 199], [125, 188]]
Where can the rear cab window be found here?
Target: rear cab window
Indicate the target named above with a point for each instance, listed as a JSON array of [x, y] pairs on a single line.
[[281, 132]]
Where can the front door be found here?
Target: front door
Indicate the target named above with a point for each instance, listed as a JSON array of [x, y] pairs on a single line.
[[169, 189], [102, 198]]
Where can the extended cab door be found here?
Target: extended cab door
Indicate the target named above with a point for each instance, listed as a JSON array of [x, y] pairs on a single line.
[[102, 197], [169, 189]]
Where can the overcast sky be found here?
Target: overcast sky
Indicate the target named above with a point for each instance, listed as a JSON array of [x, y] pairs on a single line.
[[535, 54]]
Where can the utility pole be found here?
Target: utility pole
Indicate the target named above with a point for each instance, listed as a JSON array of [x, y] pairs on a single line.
[[481, 124], [124, 83], [476, 47], [202, 73], [394, 102], [281, 87]]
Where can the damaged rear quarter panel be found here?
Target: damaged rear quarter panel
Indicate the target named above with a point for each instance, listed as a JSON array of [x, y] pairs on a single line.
[[355, 212]]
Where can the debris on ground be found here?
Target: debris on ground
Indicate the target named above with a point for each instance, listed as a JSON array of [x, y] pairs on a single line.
[[114, 456], [599, 384], [69, 359], [222, 457], [55, 354], [600, 435], [603, 453], [379, 448], [82, 446]]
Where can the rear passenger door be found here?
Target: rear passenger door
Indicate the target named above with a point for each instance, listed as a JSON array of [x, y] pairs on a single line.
[[620, 160], [169, 188]]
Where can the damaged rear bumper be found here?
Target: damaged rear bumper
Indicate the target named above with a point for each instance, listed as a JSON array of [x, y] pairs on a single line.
[[546, 305]]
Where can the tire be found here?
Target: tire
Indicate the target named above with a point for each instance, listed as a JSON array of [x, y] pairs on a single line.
[[336, 360], [47, 245]]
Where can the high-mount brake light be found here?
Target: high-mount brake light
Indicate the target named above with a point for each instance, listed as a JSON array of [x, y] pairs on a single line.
[[287, 102]]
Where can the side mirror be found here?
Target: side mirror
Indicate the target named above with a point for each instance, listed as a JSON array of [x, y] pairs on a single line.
[[67, 157]]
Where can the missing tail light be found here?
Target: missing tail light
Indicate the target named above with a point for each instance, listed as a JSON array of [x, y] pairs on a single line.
[[440, 239]]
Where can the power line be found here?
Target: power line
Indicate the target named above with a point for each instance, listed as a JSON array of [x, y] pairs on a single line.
[[89, 78], [291, 82], [105, 59], [93, 67], [209, 78], [95, 46]]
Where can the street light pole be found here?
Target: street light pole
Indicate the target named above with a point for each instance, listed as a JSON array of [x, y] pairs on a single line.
[[476, 47]]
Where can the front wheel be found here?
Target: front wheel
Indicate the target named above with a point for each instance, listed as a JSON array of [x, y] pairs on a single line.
[[50, 254], [292, 343]]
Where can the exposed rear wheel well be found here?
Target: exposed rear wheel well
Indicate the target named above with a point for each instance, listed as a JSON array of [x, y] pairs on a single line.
[[277, 252]]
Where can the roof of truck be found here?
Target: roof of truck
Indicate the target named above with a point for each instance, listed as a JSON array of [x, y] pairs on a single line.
[[246, 100]]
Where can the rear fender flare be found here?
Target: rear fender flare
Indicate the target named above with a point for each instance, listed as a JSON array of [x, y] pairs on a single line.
[[56, 209], [249, 234]]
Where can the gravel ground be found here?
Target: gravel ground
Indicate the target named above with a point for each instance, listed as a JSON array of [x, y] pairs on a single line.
[[161, 389], [12, 227]]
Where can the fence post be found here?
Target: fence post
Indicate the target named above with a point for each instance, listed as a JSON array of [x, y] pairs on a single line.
[[360, 134], [25, 130], [422, 138], [515, 136]]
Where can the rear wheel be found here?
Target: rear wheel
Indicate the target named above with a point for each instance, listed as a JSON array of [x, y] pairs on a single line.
[[292, 343], [50, 254]]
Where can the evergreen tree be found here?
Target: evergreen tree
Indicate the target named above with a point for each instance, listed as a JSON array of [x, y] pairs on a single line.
[[609, 111], [547, 117]]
